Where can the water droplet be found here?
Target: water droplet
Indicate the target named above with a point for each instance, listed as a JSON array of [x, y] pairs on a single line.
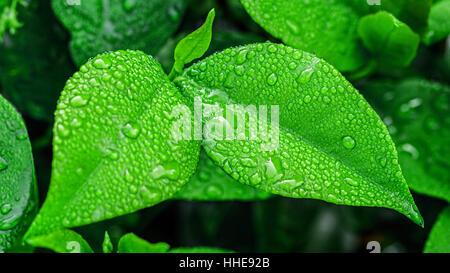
[[348, 142], [131, 130], [169, 170], [6, 208], [150, 194], [305, 76], [241, 57], [307, 99], [351, 181], [292, 27], [3, 164], [78, 101], [272, 79], [102, 63]]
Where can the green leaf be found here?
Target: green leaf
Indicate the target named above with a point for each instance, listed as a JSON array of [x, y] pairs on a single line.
[[107, 245], [193, 46], [439, 239], [327, 28], [416, 112], [413, 12], [130, 243], [390, 40], [438, 23], [18, 202], [62, 241], [219, 41], [104, 25], [113, 150], [331, 144], [211, 183], [34, 86]]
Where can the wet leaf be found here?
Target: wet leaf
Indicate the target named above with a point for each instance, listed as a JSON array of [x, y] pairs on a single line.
[[331, 145], [97, 25], [417, 112], [327, 28], [18, 201], [438, 23], [113, 150], [62, 241]]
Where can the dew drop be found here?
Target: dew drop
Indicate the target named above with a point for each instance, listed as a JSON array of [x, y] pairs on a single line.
[[78, 101], [3, 164], [351, 181], [6, 208], [348, 142], [272, 79], [102, 63], [292, 27], [305, 76], [131, 130]]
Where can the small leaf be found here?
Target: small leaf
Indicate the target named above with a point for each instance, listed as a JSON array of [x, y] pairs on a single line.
[[97, 25], [107, 245], [413, 12], [62, 241], [327, 28], [438, 23], [211, 183], [439, 239], [329, 145], [390, 40], [194, 45], [130, 243], [416, 112], [18, 202], [113, 150]]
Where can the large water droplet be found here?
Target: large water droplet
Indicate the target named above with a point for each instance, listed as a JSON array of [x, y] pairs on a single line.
[[272, 79], [78, 101], [6, 208], [102, 63], [293, 27], [131, 130], [348, 142], [305, 76]]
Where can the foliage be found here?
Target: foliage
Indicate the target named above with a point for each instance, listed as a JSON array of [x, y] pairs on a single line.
[[107, 148]]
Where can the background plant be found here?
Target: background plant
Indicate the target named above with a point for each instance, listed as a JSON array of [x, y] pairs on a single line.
[[395, 54]]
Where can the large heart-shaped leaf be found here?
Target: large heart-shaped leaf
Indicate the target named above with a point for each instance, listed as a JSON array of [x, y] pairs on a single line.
[[327, 28], [18, 194], [331, 144], [100, 25], [417, 114], [113, 150]]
